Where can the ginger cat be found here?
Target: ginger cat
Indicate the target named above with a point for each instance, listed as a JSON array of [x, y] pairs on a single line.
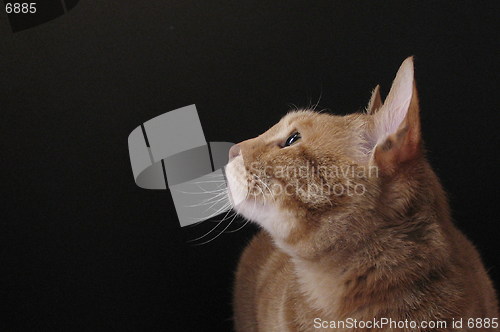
[[356, 227]]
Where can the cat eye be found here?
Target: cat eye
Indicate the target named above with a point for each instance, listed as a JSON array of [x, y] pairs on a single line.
[[292, 139]]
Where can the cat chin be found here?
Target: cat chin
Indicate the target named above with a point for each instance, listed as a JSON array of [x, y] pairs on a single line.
[[276, 221], [273, 220], [268, 216]]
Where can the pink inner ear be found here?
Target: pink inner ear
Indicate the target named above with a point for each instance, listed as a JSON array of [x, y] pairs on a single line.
[[393, 112]]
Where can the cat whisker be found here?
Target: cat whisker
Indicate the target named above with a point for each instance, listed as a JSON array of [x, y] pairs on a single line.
[[214, 175], [256, 177], [210, 181], [319, 98], [261, 191], [206, 234], [239, 228], [201, 220], [216, 213], [232, 214], [293, 106], [209, 191], [267, 187], [213, 229], [201, 193], [212, 201], [218, 201]]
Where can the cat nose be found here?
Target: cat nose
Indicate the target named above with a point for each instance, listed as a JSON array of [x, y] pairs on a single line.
[[234, 152]]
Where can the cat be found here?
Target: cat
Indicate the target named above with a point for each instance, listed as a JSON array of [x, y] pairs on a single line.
[[356, 228]]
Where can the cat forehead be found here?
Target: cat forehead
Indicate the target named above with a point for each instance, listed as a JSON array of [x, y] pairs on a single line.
[[296, 116], [290, 122], [305, 119], [302, 118]]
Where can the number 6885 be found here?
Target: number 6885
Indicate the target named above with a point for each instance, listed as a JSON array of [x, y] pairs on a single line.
[[20, 8]]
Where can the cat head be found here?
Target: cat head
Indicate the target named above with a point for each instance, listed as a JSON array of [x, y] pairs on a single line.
[[311, 178]]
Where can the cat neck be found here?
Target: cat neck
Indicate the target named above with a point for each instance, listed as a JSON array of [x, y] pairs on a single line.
[[385, 263], [364, 283]]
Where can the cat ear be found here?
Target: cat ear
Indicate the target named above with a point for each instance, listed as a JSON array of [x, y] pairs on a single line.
[[397, 124], [375, 102]]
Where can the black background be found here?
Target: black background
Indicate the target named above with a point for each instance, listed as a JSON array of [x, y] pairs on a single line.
[[83, 248]]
